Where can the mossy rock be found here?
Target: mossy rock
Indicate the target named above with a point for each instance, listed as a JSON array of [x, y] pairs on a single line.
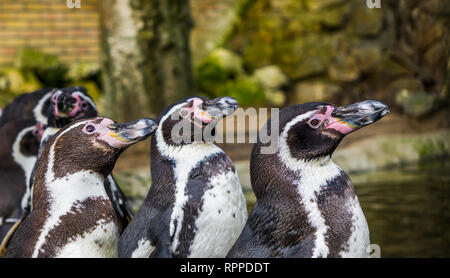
[[14, 81], [83, 71], [245, 90], [47, 67]]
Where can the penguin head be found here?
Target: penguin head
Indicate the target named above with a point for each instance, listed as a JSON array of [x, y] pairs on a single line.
[[21, 136], [185, 121], [314, 130], [95, 144], [68, 105]]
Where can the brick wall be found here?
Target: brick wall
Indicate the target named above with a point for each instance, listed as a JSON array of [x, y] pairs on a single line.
[[50, 26]]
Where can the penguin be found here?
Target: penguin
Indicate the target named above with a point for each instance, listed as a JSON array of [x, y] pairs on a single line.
[[19, 143], [72, 215], [66, 106], [28, 106], [306, 205], [195, 206]]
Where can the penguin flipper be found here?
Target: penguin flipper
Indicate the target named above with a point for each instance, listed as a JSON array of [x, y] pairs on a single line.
[[253, 241], [119, 201]]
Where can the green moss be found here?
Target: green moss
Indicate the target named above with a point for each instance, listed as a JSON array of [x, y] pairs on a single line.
[[47, 67], [245, 91], [430, 149]]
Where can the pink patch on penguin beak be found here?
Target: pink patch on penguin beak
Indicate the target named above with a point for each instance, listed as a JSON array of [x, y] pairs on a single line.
[[335, 123], [198, 112], [108, 136]]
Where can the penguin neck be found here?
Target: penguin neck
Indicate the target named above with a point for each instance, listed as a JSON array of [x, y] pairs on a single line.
[[41, 107], [51, 190], [279, 171], [190, 154]]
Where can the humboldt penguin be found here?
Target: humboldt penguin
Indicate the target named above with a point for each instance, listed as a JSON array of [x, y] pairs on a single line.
[[195, 206], [66, 106], [29, 106], [306, 205], [19, 143], [72, 215]]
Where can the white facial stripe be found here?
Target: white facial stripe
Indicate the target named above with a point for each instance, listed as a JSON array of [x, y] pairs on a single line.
[[196, 152], [37, 111], [66, 191], [312, 176], [25, 162], [86, 98]]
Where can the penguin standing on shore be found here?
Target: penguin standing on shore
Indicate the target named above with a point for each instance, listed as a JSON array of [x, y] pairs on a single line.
[[306, 205], [19, 143], [72, 215], [195, 206]]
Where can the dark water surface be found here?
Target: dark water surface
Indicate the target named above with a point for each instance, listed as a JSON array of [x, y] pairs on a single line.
[[408, 209]]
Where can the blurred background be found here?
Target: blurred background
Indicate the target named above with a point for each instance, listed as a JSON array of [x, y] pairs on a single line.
[[136, 56]]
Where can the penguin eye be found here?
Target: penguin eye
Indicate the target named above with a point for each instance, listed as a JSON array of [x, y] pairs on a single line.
[[314, 123], [89, 128]]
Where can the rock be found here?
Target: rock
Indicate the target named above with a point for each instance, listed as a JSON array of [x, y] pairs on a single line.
[[221, 66], [270, 77], [415, 103], [367, 56], [316, 5], [390, 150], [16, 81], [227, 60], [245, 90], [47, 67], [408, 83], [82, 70], [367, 22], [344, 68], [275, 97], [306, 56], [314, 91]]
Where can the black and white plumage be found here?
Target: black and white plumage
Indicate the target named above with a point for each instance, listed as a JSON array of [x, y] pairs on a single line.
[[195, 206], [72, 214], [306, 205], [68, 105], [19, 143], [29, 106]]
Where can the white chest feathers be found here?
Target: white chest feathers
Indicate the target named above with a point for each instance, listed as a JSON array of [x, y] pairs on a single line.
[[222, 218], [67, 193]]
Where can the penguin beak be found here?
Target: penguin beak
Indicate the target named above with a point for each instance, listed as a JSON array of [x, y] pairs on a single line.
[[221, 107], [132, 132], [346, 119]]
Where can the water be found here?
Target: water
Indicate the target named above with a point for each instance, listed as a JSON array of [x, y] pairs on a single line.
[[408, 209]]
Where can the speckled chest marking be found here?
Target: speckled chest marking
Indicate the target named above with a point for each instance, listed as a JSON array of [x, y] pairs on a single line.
[[313, 177], [222, 218], [226, 186], [65, 195]]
